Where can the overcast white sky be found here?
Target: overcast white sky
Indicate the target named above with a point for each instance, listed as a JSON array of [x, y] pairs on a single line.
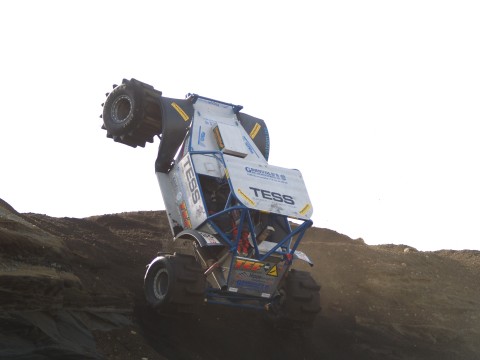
[[376, 102]]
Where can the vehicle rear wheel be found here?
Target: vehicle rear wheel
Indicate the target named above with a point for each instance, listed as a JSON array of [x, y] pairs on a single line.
[[132, 114]]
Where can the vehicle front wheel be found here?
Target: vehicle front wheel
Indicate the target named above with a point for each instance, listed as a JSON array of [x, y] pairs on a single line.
[[299, 301], [174, 282]]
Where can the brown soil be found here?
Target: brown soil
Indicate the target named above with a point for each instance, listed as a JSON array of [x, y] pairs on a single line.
[[72, 289]]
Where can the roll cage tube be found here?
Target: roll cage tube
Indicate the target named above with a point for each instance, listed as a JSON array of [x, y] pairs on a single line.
[[283, 247]]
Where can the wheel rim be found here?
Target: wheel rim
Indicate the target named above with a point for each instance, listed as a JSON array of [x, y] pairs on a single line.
[[121, 109], [160, 284]]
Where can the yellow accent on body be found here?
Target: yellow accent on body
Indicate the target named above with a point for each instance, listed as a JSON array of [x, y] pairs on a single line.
[[255, 130], [246, 197], [182, 113], [218, 137], [305, 209], [273, 271]]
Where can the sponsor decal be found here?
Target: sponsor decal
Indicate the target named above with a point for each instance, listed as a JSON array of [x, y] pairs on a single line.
[[244, 274], [250, 275], [209, 238], [254, 266], [246, 197], [305, 209], [252, 285], [191, 180], [255, 130], [249, 146], [208, 121], [201, 137], [271, 195], [266, 174], [248, 265], [182, 113], [211, 102], [185, 217]]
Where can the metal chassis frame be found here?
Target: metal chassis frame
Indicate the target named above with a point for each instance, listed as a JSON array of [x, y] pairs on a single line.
[[283, 247]]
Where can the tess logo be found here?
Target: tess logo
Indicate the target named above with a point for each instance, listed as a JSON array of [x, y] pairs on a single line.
[[271, 195], [191, 180]]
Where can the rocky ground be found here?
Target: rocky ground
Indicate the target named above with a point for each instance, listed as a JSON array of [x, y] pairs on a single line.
[[72, 289]]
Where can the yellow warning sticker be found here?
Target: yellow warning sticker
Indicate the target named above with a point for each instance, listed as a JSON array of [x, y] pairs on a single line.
[[218, 137], [255, 130], [305, 209], [182, 113], [273, 271], [246, 197]]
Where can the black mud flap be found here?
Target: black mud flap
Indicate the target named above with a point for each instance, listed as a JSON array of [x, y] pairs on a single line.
[[176, 118]]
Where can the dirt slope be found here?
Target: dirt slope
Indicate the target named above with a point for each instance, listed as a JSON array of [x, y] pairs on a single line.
[[72, 289]]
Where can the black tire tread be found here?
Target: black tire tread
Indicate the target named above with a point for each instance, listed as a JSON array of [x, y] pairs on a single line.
[[186, 291], [190, 285], [302, 302], [146, 121]]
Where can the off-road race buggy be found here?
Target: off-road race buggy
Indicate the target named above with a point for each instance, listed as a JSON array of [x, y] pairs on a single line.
[[236, 220]]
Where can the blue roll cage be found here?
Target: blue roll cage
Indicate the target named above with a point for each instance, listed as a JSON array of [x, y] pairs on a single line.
[[283, 247]]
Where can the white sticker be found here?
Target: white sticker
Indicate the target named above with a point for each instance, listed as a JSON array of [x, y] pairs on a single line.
[[209, 238]]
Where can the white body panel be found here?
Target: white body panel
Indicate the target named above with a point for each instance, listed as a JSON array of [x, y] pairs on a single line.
[[208, 115], [269, 188], [181, 192], [255, 183]]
